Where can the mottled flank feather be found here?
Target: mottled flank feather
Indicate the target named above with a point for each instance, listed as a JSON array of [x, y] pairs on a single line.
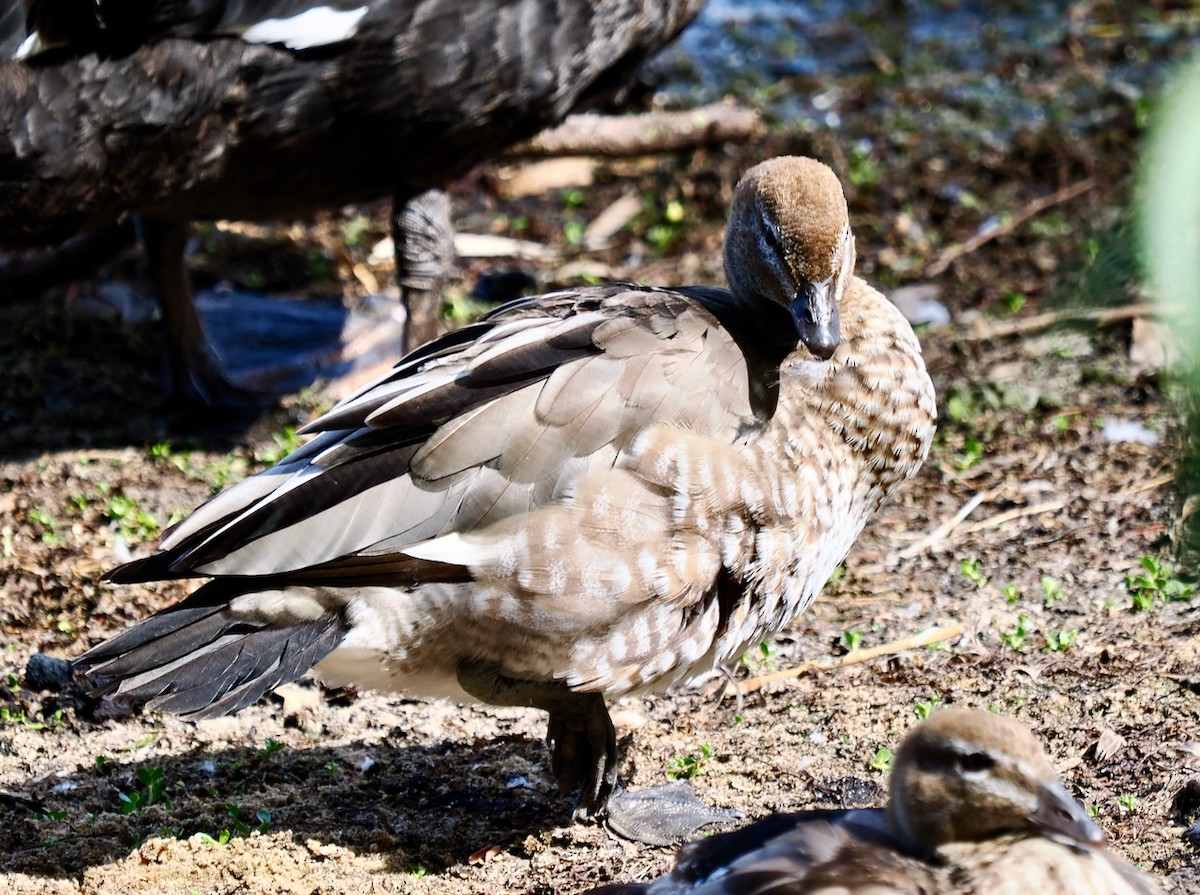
[[596, 491], [975, 809]]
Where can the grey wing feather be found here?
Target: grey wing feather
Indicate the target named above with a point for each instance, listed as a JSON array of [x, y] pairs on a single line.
[[467, 434], [807, 853]]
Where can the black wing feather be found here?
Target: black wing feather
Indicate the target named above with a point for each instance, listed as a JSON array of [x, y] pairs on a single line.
[[187, 667]]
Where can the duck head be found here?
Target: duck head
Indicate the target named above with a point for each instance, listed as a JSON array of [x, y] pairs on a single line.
[[968, 776], [789, 241]]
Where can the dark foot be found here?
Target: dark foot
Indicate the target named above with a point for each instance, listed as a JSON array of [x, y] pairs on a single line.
[[239, 352], [583, 752], [662, 815], [581, 736], [195, 373]]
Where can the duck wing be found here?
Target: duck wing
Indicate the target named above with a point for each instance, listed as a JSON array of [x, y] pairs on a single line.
[[494, 421], [802, 853]]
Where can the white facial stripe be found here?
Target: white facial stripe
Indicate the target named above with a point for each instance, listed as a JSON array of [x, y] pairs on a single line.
[[843, 261]]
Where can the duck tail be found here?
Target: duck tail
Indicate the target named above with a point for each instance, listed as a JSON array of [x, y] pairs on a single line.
[[199, 659]]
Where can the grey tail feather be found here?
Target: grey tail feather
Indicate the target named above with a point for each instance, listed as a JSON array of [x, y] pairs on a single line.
[[199, 660]]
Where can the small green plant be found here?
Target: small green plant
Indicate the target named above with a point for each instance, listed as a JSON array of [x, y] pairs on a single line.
[[333, 767], [17, 716], [882, 760], [1011, 593], [924, 707], [133, 523], [270, 747], [153, 783], [851, 639], [1015, 639], [1156, 584], [243, 827], [685, 767], [320, 267], [573, 198], [1093, 810], [764, 660], [354, 230], [286, 441], [972, 570], [1052, 590], [1060, 641], [1128, 801], [970, 455], [1015, 301], [48, 525], [864, 170], [573, 231]]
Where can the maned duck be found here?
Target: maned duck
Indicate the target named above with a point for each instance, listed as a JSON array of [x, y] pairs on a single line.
[[228, 109], [586, 494], [975, 809]]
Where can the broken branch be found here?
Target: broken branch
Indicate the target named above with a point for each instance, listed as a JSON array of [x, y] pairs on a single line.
[[650, 132], [1053, 318], [858, 656], [953, 252]]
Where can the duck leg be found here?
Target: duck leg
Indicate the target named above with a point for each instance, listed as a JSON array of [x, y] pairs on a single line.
[[583, 756], [195, 370], [424, 244], [581, 736]]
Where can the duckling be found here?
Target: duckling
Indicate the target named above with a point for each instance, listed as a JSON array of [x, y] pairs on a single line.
[[211, 109], [974, 808], [587, 494]]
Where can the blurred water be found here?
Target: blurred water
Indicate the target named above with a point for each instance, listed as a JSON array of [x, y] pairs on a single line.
[[990, 69]]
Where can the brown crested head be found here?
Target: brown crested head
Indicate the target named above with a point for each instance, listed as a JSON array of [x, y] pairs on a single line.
[[789, 241], [967, 776], [805, 200]]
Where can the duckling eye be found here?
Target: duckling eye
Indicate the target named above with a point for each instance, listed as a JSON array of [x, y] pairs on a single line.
[[976, 761]]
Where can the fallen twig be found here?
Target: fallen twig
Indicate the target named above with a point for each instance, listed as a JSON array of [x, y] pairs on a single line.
[[999, 519], [628, 135], [1053, 318], [932, 539], [953, 252], [925, 638]]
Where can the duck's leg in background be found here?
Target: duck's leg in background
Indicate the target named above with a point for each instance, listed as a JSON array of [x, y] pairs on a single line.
[[424, 246]]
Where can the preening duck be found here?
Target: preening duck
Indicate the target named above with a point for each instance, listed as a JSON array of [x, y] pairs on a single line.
[[975, 808], [587, 494], [186, 109]]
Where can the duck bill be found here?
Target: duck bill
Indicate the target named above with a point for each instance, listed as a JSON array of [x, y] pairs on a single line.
[[815, 314], [1064, 818]]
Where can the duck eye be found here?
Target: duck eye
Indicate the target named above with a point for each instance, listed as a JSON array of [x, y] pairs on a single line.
[[976, 761]]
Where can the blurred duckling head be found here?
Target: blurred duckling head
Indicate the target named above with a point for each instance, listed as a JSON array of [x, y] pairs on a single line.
[[789, 241], [969, 776]]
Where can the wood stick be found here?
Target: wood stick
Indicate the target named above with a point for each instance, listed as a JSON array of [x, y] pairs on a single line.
[[925, 638], [652, 132], [953, 252], [932, 539], [1053, 318], [999, 519]]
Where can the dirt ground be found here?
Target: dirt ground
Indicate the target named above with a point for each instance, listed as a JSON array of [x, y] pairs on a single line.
[[317, 792]]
